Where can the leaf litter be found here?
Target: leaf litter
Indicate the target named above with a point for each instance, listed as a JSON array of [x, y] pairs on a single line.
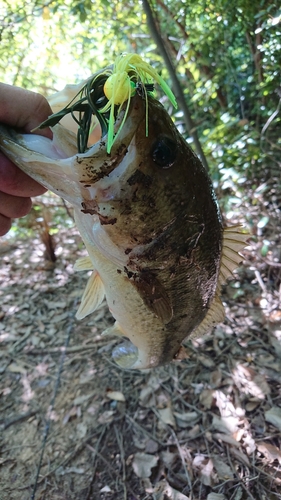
[[205, 428]]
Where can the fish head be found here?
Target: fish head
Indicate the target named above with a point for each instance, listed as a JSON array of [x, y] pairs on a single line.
[[58, 166]]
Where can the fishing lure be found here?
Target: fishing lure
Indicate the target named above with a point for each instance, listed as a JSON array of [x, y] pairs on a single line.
[[105, 93], [130, 74]]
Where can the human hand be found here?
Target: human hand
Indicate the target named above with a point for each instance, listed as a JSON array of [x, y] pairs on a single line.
[[23, 110]]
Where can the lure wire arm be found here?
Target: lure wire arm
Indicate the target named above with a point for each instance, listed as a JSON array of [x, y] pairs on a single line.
[[105, 93]]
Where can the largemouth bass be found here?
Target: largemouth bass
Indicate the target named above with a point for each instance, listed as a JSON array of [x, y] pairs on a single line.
[[150, 221]]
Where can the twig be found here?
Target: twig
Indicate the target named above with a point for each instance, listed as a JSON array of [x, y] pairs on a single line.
[[52, 404], [260, 281], [96, 452], [64, 349], [63, 463], [271, 118], [22, 339], [176, 84], [151, 436], [94, 467], [235, 473], [119, 438], [17, 418], [182, 459]]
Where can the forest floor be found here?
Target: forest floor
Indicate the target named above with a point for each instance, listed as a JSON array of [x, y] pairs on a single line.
[[75, 426]]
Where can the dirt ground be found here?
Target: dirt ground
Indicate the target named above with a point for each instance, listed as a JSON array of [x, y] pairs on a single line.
[[75, 426]]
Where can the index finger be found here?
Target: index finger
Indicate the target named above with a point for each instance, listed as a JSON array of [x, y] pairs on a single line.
[[15, 182], [23, 109]]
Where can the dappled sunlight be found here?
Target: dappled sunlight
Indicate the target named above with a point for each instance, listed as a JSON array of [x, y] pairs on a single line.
[[251, 382], [28, 393]]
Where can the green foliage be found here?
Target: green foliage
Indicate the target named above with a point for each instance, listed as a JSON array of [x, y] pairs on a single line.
[[226, 54]]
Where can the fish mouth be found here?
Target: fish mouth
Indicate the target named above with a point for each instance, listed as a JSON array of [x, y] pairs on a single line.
[[57, 165], [128, 356], [125, 354]]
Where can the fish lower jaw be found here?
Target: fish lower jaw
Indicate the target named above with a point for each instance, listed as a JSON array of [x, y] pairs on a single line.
[[126, 355]]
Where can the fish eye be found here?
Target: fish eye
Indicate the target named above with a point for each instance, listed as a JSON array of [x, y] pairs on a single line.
[[164, 151]]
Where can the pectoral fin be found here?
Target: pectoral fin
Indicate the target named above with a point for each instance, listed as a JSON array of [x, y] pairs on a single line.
[[154, 296], [113, 330], [83, 264], [92, 296]]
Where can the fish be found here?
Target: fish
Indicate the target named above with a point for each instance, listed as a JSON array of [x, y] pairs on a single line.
[[151, 224]]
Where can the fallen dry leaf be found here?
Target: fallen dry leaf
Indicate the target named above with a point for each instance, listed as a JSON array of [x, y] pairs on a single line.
[[251, 382], [274, 416], [205, 468], [206, 398], [106, 489], [249, 443], [207, 362], [229, 425], [216, 496], [224, 404], [223, 470], [252, 405], [185, 420], [151, 446], [143, 463], [168, 458], [116, 396], [216, 378], [206, 474], [163, 491], [226, 439], [276, 344], [70, 470], [81, 430], [81, 399], [194, 431], [17, 368], [166, 415], [106, 417], [147, 397], [269, 451], [240, 456]]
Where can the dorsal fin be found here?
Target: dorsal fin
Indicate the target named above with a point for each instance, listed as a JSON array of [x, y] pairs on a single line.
[[83, 264], [92, 296]]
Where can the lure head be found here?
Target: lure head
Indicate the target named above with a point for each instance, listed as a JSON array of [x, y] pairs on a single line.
[[119, 87]]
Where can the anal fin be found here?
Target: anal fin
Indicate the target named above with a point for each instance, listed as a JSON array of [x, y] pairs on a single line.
[[92, 296], [214, 316]]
